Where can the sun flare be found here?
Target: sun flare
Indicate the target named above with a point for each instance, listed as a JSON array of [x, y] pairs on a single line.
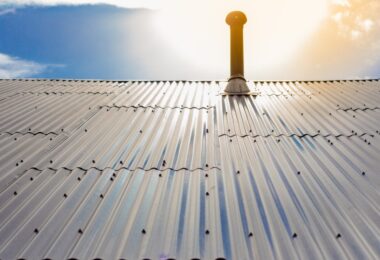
[[196, 31]]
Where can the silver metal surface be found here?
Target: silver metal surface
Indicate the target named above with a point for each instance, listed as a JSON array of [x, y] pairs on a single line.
[[161, 170]]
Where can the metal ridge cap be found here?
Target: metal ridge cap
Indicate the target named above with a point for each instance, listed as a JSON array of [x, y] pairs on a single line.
[[181, 80]]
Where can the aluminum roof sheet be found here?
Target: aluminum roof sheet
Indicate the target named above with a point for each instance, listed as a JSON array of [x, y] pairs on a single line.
[[158, 170]]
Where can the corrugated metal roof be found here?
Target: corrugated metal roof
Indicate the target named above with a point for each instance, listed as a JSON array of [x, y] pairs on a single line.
[[157, 170]]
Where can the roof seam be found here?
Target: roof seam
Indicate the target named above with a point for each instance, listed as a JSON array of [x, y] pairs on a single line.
[[29, 132], [157, 107], [125, 168], [358, 108], [296, 135], [66, 92]]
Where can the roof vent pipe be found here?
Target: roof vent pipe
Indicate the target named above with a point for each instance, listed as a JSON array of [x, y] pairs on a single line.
[[237, 84]]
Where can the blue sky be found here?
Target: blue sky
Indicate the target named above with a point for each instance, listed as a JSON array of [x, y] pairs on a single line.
[[143, 40]]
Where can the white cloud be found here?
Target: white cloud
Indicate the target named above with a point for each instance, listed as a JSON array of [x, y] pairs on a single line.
[[341, 2], [7, 11], [120, 3], [14, 67]]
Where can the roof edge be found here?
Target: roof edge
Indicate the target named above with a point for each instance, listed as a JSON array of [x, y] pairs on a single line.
[[204, 81]]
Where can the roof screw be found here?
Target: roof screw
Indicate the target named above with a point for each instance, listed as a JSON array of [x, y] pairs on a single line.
[[78, 178], [51, 161], [114, 174], [15, 139], [143, 231], [93, 161], [207, 193], [15, 193], [51, 139], [101, 196], [338, 235], [206, 165], [250, 234], [206, 130], [160, 175], [250, 130], [16, 164], [31, 178], [121, 162], [278, 140], [85, 130], [163, 163], [298, 172], [36, 230], [206, 175], [30, 129], [21, 161], [294, 235], [62, 130], [111, 179], [65, 195], [238, 172], [363, 173], [80, 231], [230, 140], [141, 131], [301, 114], [207, 232]]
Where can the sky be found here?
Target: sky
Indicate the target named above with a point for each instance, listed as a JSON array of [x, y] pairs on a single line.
[[188, 40]]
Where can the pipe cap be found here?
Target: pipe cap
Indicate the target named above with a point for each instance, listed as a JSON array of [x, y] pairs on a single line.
[[236, 18]]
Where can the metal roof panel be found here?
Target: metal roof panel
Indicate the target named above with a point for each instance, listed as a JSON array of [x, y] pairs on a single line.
[[173, 169]]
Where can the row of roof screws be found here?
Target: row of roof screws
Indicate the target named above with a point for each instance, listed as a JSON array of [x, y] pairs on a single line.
[[159, 175], [207, 232]]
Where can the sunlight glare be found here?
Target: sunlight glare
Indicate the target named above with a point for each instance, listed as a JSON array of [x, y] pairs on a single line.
[[196, 30]]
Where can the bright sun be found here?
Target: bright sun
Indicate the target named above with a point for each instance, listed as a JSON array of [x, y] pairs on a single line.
[[196, 30]]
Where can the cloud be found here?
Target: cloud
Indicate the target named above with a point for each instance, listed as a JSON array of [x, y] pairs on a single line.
[[14, 67], [7, 11], [119, 3]]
